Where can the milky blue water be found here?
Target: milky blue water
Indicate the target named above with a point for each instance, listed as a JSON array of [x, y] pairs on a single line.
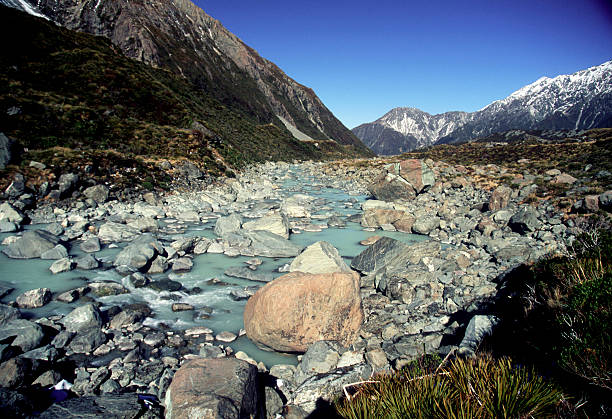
[[213, 295]]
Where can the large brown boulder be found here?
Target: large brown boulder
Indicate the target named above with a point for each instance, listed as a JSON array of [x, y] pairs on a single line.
[[298, 309], [417, 173], [214, 388], [402, 181]]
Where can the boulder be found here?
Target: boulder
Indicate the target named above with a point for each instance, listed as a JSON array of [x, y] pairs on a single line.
[[97, 193], [390, 187], [144, 225], [478, 327], [58, 252], [82, 318], [86, 262], [7, 227], [67, 182], [34, 298], [90, 245], [318, 258], [500, 198], [112, 232], [27, 334], [321, 357], [391, 252], [425, 224], [214, 388], [264, 243], [228, 224], [61, 265], [10, 214], [246, 273], [31, 245], [605, 200], [140, 252], [182, 264], [298, 309], [8, 313], [274, 223], [564, 178], [525, 220], [297, 206], [417, 173], [376, 217]]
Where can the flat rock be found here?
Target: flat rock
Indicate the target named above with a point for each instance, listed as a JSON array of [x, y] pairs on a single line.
[[140, 252], [111, 232], [246, 273], [320, 257], [90, 245], [82, 318], [274, 223], [229, 224], [111, 406], [28, 335], [61, 265]]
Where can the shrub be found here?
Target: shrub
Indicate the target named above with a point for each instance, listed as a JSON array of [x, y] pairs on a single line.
[[467, 388]]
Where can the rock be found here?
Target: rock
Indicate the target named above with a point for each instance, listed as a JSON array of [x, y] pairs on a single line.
[[182, 307], [61, 265], [82, 318], [404, 223], [188, 216], [417, 173], [97, 193], [376, 217], [500, 198], [66, 183], [111, 232], [7, 227], [390, 187], [58, 252], [425, 224], [297, 309], [6, 145], [144, 225], [72, 295], [328, 387], [264, 243], [131, 314], [139, 253], [296, 206], [28, 335], [226, 337], [87, 340], [350, 358], [201, 246], [165, 285], [86, 262], [320, 358], [229, 224], [214, 388], [8, 313], [318, 258], [37, 165], [111, 406], [10, 214], [182, 265], [34, 298], [478, 327], [246, 273], [17, 186], [15, 372], [274, 223], [190, 170], [525, 220], [564, 178], [391, 252], [591, 203], [106, 288], [90, 245], [31, 245], [605, 200]]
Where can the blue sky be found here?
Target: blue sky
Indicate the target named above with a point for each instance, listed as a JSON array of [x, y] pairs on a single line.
[[363, 58]]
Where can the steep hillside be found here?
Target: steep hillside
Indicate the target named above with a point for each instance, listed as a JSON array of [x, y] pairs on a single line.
[[179, 36], [61, 88]]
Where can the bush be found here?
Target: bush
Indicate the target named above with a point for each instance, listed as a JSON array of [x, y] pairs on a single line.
[[472, 388]]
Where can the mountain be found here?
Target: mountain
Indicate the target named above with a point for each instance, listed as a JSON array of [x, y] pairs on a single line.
[[578, 101], [405, 129], [179, 36]]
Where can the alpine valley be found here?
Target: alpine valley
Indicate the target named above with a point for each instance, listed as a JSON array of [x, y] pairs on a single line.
[[578, 101]]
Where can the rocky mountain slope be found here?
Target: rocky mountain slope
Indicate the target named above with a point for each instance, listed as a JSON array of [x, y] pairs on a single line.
[[578, 101], [179, 36]]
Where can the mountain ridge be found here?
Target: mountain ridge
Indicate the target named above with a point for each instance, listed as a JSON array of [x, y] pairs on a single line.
[[582, 100]]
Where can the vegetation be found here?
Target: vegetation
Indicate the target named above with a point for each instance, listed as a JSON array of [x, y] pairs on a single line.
[[556, 317], [60, 88], [466, 388]]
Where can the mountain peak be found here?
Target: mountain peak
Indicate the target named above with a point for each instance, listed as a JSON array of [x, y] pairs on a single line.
[[581, 100]]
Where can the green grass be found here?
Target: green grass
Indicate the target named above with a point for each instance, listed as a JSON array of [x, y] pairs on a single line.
[[466, 388]]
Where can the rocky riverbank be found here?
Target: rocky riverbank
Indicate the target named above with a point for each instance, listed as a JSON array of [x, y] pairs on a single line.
[[437, 295]]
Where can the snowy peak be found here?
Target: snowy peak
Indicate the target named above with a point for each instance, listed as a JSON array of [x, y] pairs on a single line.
[[582, 100]]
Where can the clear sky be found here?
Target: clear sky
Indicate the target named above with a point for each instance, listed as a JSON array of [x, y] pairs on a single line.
[[363, 58]]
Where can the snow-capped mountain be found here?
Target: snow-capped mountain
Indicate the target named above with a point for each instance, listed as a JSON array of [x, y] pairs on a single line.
[[582, 100]]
